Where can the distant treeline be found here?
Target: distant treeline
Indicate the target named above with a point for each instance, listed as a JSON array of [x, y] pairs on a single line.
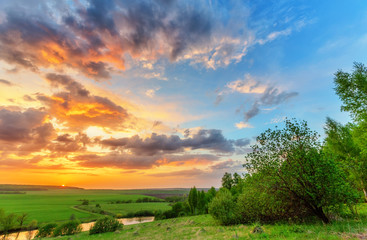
[[14, 187], [139, 200], [12, 192]]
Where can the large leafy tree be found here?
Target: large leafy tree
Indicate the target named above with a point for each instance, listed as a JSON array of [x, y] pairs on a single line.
[[352, 90], [292, 158], [342, 142]]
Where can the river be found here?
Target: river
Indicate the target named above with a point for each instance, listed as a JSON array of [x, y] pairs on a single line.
[[27, 235]]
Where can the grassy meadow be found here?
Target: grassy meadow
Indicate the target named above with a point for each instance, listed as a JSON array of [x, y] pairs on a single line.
[[56, 205], [204, 227]]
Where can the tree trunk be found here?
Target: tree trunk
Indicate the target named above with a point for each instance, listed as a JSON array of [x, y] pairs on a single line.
[[364, 190], [320, 214]]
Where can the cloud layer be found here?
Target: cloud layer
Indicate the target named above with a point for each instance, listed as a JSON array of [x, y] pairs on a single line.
[[100, 37]]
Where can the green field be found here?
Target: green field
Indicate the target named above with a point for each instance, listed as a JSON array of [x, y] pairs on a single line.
[[57, 205], [125, 208], [204, 227]]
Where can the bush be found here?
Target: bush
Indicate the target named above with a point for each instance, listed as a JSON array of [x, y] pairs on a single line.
[[262, 201], [46, 230], [69, 228], [106, 224], [223, 208]]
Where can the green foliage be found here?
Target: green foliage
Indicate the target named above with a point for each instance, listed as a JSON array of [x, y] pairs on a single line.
[[68, 228], [106, 224], [223, 208], [148, 199], [352, 90], [211, 194], [85, 202], [175, 199], [46, 230], [193, 200], [7, 222], [58, 205], [202, 206], [344, 142], [227, 181], [293, 159], [261, 201], [21, 219]]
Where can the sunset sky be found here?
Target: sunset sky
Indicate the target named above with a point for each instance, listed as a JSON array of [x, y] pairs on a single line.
[[162, 93]]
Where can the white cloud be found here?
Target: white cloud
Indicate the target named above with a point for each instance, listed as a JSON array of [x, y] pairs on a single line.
[[241, 125], [247, 85], [150, 93]]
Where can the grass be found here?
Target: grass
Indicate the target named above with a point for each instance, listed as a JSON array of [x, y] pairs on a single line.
[[57, 205], [125, 208], [204, 227]]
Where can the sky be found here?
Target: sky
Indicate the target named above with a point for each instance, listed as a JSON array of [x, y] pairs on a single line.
[[163, 93]]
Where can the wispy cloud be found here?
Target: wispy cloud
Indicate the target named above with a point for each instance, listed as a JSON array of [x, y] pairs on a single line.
[[263, 94], [6, 82]]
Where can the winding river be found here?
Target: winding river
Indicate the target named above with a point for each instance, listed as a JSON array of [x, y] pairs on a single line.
[[27, 235]]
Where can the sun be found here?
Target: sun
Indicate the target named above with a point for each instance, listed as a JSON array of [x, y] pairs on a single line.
[[63, 185]]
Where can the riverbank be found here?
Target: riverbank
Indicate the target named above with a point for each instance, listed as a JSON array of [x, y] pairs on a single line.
[[27, 235], [204, 227]]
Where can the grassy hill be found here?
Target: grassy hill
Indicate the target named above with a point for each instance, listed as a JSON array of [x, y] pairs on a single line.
[[57, 204], [204, 227]]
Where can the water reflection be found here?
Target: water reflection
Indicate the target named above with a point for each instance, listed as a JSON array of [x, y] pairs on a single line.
[[28, 235]]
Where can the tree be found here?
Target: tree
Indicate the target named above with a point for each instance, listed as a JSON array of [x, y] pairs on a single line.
[[294, 159], [7, 223], [342, 141], [21, 219], [227, 181], [193, 200], [201, 202], [223, 208], [211, 194], [352, 90]]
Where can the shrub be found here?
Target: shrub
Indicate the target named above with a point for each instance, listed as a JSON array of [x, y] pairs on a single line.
[[69, 228], [223, 208], [263, 201], [106, 224], [46, 230]]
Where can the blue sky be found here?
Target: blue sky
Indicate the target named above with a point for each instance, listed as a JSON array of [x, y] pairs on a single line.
[[160, 89]]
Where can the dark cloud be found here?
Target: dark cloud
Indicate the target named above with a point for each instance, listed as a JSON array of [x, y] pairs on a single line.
[[99, 35], [18, 126], [252, 112], [131, 161], [116, 160], [24, 131], [183, 173], [223, 165], [272, 96], [66, 82], [68, 143], [211, 139], [28, 98], [243, 142], [6, 82], [98, 15], [156, 124]]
